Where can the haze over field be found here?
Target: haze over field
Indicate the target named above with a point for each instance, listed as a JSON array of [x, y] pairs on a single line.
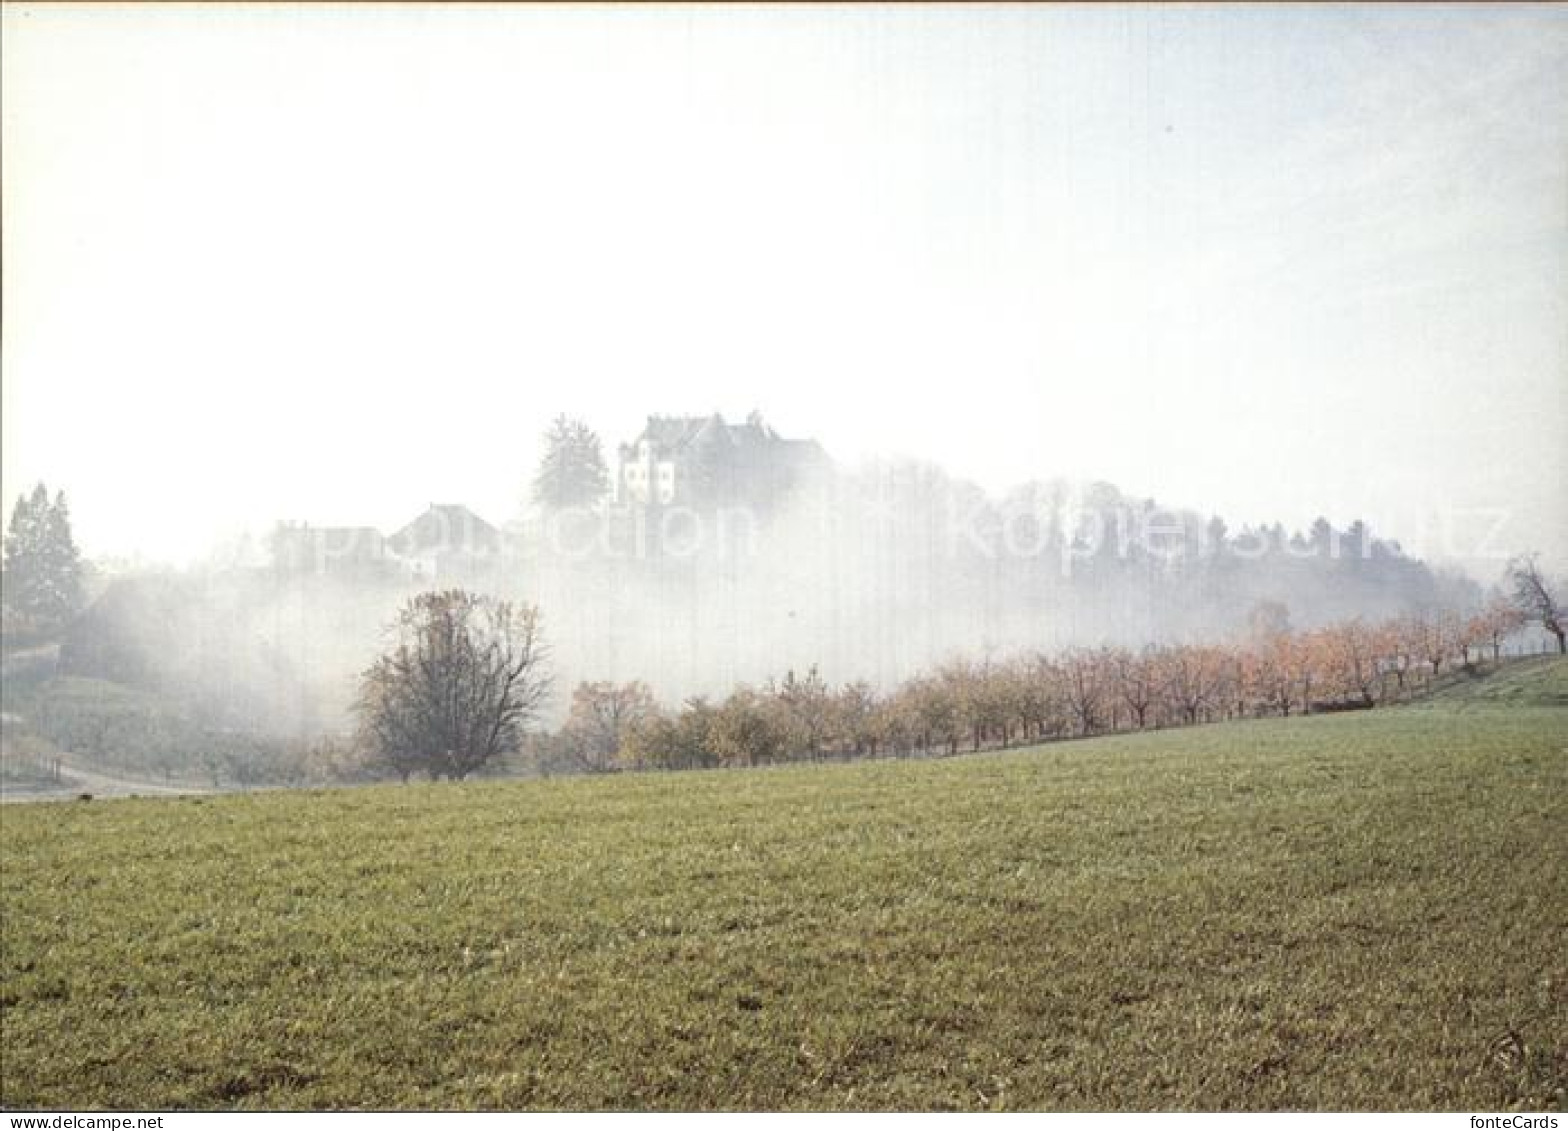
[[333, 263], [801, 557]]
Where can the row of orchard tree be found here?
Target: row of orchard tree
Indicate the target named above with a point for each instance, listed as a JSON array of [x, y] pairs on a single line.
[[991, 703], [466, 675]]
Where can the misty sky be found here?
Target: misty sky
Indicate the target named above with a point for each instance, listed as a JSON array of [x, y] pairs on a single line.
[[336, 263]]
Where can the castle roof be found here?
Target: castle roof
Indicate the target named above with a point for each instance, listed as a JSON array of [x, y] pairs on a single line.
[[673, 433]]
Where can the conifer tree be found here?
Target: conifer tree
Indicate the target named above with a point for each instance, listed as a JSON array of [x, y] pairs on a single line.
[[43, 569]]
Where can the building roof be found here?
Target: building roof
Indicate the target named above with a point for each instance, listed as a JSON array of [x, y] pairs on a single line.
[[446, 527], [673, 433]]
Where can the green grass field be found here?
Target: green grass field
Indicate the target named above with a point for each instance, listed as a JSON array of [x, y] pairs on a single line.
[[1356, 911]]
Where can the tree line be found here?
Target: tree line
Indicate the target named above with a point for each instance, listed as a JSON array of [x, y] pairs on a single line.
[[467, 676], [969, 704]]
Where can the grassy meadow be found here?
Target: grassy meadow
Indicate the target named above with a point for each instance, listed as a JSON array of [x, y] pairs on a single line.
[[1365, 910]]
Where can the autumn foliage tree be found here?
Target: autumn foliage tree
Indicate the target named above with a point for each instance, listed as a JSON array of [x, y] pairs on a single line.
[[804, 700], [1495, 623], [1269, 673], [1351, 661], [684, 740], [861, 718], [753, 728], [601, 720]]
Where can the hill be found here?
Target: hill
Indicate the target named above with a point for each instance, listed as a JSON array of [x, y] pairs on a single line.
[[1539, 681], [1355, 911]]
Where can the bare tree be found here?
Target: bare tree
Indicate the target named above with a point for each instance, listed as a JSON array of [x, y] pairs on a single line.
[[1439, 635], [1083, 675], [1043, 700], [464, 676], [1536, 599], [1191, 680], [1137, 682]]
